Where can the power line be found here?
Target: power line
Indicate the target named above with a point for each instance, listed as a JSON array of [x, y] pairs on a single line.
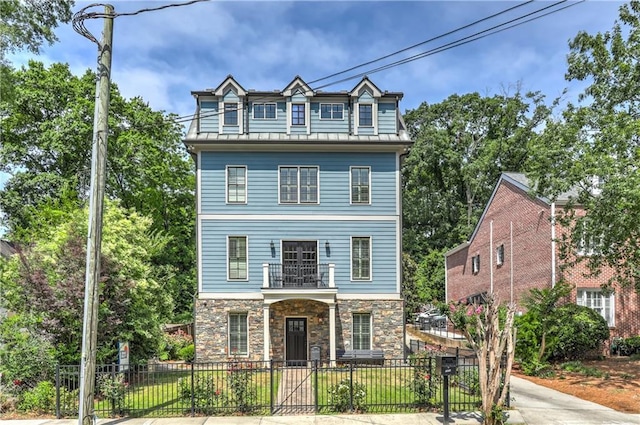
[[459, 42]]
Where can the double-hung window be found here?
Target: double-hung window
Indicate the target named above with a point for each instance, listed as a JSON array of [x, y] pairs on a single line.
[[361, 331], [298, 185], [264, 111], [331, 111], [360, 185], [500, 255], [238, 334], [365, 115], [237, 184], [230, 114], [361, 258], [237, 257], [601, 303], [298, 114]]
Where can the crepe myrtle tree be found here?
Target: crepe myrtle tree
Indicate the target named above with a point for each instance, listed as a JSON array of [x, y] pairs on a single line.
[[489, 330]]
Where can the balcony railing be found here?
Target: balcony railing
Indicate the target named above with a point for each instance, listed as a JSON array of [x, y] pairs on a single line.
[[303, 276]]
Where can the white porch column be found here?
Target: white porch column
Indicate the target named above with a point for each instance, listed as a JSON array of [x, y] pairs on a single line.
[[332, 334], [332, 275], [266, 335], [265, 275]]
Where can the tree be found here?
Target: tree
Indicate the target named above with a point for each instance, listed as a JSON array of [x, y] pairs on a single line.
[[593, 149], [461, 147], [47, 133], [44, 285], [27, 24], [488, 328]]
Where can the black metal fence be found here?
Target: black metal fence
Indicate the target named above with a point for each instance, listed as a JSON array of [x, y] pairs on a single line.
[[271, 388]]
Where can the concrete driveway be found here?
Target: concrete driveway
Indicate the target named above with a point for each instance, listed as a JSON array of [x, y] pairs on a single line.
[[539, 405]]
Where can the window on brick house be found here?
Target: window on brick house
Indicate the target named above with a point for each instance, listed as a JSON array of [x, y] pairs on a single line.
[[475, 264], [500, 255], [361, 331], [601, 303], [238, 334]]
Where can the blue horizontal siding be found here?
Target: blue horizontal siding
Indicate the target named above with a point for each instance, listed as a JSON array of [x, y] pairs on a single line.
[[328, 126], [279, 125], [262, 180], [261, 233], [209, 117], [387, 118]]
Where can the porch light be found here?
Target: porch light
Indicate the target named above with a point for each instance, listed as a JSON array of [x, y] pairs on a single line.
[[326, 245], [273, 246]]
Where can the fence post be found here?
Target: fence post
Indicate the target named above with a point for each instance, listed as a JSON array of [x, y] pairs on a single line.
[[58, 391], [315, 384], [351, 385], [271, 386], [193, 395], [114, 385]]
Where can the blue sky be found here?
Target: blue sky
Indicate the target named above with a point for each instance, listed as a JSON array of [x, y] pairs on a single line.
[[163, 55]]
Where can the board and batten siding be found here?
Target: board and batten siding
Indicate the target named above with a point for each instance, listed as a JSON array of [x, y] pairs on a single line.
[[260, 233], [334, 182]]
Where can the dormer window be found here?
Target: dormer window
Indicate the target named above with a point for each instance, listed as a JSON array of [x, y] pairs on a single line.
[[365, 115], [298, 114], [230, 114]]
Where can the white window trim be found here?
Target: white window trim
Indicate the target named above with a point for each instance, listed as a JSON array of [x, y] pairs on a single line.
[[351, 186], [353, 279], [246, 313], [370, 328], [331, 104], [247, 255], [582, 300], [374, 112], [238, 114], [306, 120], [317, 167], [246, 184], [264, 118]]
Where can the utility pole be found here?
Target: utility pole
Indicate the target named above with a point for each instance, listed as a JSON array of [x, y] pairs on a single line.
[[94, 234]]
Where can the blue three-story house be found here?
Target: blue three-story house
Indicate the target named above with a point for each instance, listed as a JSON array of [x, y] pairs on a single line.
[[298, 222]]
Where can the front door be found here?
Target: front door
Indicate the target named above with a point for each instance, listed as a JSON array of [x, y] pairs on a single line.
[[296, 341], [300, 263]]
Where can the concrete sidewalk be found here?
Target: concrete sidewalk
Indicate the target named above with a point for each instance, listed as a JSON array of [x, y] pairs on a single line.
[[383, 419]]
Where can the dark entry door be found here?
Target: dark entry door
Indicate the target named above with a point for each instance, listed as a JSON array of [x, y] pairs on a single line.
[[300, 263], [296, 341]]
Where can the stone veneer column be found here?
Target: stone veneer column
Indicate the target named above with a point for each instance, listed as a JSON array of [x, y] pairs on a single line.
[[332, 334], [265, 313]]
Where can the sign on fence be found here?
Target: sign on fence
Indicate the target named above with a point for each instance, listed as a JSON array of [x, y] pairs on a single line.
[[123, 356]]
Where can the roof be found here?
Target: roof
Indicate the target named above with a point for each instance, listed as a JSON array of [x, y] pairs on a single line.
[[7, 249], [521, 181]]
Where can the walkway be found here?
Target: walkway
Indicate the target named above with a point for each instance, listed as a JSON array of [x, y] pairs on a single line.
[[295, 395]]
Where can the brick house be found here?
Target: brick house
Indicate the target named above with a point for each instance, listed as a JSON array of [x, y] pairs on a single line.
[[513, 249], [298, 221]]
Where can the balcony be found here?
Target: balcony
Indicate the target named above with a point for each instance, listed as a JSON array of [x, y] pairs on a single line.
[[298, 276]]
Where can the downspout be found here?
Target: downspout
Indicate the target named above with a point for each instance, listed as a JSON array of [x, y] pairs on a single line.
[[349, 115], [246, 115], [553, 244], [491, 257]]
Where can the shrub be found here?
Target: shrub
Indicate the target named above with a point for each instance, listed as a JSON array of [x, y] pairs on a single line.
[[580, 331], [340, 396], [423, 384], [40, 399], [240, 384], [187, 353], [626, 346], [206, 399], [173, 344], [113, 388]]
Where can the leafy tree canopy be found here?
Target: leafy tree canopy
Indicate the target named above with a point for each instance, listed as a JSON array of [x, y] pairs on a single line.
[[461, 146], [44, 285], [47, 134], [596, 145]]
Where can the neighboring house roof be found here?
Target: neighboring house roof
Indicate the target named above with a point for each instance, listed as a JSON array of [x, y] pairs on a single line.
[[523, 183], [7, 249]]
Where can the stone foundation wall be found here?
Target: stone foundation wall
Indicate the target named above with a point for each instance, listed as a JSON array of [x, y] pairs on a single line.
[[387, 331], [212, 324]]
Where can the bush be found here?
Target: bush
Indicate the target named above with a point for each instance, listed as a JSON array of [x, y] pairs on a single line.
[[173, 344], [423, 384], [40, 399], [187, 353], [206, 399], [340, 396], [113, 388], [240, 383], [580, 331], [626, 346]]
